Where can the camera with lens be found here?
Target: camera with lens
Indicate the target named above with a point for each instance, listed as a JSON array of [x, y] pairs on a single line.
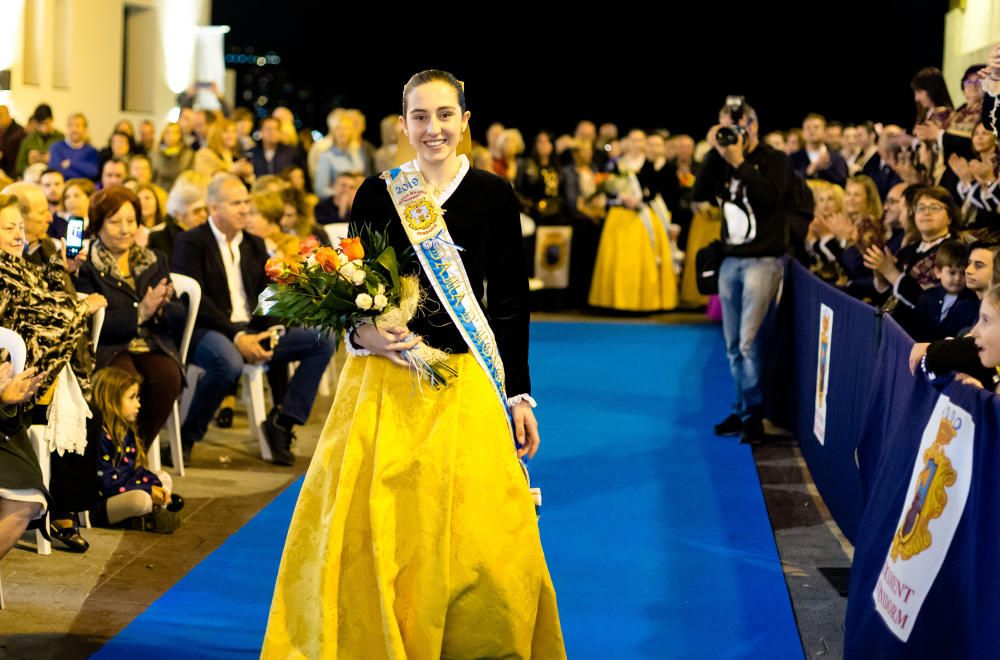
[[729, 135]]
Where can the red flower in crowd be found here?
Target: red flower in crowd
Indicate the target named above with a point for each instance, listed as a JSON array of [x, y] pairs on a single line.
[[308, 246], [351, 247]]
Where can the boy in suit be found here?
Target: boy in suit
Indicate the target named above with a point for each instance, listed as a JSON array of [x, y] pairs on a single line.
[[948, 308]]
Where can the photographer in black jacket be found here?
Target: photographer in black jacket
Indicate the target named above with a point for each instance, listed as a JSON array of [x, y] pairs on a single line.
[[750, 182]]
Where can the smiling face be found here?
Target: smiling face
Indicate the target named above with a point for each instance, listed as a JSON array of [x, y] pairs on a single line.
[[931, 218], [987, 332], [434, 121], [118, 231], [855, 198], [11, 231]]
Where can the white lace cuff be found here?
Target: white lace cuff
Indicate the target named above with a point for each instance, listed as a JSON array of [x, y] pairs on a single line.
[[514, 400]]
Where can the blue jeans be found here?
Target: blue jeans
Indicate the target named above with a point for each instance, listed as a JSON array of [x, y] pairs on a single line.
[[747, 289], [223, 364]]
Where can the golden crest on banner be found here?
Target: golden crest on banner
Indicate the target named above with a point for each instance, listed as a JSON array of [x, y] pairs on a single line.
[[929, 497], [420, 215]]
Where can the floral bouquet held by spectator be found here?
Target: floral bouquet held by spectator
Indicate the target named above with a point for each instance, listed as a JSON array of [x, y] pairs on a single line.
[[335, 289]]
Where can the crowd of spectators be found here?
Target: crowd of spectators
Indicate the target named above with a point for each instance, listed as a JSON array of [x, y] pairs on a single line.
[[906, 219]]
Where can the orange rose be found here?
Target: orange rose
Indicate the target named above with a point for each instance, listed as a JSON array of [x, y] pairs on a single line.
[[308, 246], [327, 259], [273, 268], [351, 247], [282, 271]]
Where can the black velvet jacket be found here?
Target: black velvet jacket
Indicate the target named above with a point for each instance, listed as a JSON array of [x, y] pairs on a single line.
[[483, 217]]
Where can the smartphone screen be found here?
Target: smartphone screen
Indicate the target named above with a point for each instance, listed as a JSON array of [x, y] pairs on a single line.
[[74, 236]]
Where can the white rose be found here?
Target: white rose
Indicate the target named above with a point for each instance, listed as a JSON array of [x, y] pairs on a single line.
[[363, 301], [357, 263], [358, 276], [311, 261], [380, 302], [342, 259], [381, 289], [347, 270]]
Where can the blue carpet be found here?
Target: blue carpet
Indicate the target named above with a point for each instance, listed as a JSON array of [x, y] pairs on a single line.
[[655, 531]]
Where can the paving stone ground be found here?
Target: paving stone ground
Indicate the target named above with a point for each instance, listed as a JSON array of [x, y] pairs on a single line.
[[67, 606]]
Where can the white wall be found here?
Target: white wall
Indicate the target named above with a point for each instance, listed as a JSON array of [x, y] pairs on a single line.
[[969, 33], [93, 71]]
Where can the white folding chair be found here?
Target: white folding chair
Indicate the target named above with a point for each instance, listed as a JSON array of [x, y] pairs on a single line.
[[336, 231], [18, 354], [182, 285], [253, 396]]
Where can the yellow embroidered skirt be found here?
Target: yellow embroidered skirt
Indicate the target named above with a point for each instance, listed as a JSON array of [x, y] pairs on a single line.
[[631, 273], [415, 534]]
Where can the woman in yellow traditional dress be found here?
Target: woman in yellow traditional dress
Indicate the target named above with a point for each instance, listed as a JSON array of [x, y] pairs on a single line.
[[635, 267], [415, 534]]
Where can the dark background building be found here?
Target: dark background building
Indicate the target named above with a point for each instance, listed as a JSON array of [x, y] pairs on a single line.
[[637, 66]]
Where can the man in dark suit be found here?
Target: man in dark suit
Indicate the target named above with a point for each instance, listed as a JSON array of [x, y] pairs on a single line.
[[879, 167], [271, 156], [229, 265], [816, 160]]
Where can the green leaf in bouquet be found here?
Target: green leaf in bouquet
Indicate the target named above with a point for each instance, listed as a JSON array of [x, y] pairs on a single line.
[[336, 301], [387, 259]]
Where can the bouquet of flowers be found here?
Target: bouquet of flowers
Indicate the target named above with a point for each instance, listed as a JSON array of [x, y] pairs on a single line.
[[358, 282]]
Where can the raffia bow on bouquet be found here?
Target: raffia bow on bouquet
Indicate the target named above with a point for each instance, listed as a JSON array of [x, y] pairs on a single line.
[[358, 282]]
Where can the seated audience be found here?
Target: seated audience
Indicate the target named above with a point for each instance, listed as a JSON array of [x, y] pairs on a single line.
[[298, 220], [144, 321], [34, 148], [229, 263], [152, 214], [185, 210], [119, 147], [76, 204], [220, 153], [39, 303], [171, 157], [113, 173], [53, 183], [75, 157], [271, 156], [267, 210], [337, 207]]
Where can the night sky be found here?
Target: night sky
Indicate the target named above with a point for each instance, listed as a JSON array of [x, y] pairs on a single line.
[[647, 68]]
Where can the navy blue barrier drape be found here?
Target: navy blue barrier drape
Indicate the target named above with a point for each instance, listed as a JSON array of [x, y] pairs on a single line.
[[853, 342], [938, 513]]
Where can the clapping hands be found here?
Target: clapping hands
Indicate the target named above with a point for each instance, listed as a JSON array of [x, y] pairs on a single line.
[[155, 298], [15, 390]]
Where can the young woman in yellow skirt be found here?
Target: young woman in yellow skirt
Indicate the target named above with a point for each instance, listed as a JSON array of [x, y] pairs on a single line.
[[634, 270], [415, 535]]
